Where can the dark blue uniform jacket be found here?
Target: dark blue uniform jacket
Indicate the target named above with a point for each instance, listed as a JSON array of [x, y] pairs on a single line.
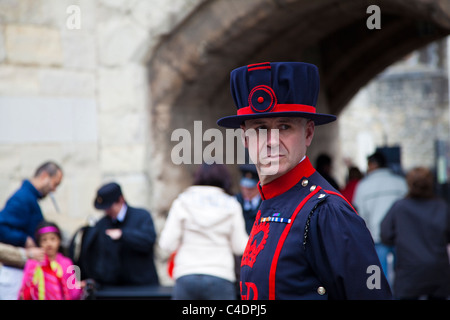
[[309, 243]]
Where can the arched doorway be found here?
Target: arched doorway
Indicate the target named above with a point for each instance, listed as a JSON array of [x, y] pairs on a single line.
[[189, 69]]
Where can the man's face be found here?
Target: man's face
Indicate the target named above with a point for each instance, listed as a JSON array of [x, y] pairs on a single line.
[[276, 145], [114, 210], [249, 193], [49, 183], [372, 166]]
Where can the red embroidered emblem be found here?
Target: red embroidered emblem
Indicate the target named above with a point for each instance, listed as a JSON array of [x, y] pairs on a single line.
[[253, 249]]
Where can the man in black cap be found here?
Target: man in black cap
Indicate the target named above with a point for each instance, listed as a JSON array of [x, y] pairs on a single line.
[[119, 249]]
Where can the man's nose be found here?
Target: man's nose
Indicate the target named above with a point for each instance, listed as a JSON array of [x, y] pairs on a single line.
[[273, 138]]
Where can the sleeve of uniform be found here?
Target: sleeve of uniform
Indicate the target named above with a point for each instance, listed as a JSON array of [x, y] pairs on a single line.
[[342, 253]]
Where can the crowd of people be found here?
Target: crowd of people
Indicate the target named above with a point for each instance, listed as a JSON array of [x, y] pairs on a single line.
[[207, 230], [117, 250], [409, 223], [290, 233]]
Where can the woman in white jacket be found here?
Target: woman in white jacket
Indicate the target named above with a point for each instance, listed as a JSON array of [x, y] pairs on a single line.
[[205, 227]]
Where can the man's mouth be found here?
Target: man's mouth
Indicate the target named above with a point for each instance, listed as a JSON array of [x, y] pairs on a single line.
[[272, 156]]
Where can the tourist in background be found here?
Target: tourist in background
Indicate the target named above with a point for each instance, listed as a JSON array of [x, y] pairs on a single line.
[[374, 196], [249, 196], [20, 217], [354, 176], [419, 228], [52, 278], [118, 250], [205, 228]]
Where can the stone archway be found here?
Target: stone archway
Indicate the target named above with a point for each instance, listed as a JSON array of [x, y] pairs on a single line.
[[189, 69]]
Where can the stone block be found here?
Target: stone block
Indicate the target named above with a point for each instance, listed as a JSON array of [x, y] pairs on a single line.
[[122, 90], [63, 82], [2, 45], [32, 119], [159, 16], [129, 128], [33, 45], [79, 50], [18, 80], [121, 159], [120, 41]]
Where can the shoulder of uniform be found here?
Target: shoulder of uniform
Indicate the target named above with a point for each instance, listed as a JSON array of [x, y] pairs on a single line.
[[327, 207], [337, 201]]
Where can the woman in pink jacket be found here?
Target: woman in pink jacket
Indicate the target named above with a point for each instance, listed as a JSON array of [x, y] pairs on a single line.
[[54, 277]]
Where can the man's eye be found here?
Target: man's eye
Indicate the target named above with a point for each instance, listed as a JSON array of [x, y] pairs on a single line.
[[284, 127]]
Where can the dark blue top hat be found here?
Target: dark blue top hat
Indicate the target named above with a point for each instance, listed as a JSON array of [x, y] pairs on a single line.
[[275, 89]]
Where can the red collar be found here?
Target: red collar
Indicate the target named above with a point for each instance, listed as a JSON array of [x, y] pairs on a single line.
[[282, 184]]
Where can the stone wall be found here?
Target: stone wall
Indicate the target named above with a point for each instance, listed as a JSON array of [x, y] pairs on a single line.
[[74, 88]]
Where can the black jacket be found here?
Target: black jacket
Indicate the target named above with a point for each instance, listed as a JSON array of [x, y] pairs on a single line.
[[127, 261], [420, 232]]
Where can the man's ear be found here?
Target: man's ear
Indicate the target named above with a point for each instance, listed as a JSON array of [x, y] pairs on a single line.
[[309, 132]]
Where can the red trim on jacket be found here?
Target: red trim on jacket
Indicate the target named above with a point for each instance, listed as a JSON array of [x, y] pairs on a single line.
[[286, 181], [340, 195], [273, 267]]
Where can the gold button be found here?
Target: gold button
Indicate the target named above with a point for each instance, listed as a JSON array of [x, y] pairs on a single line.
[[305, 182], [321, 290], [313, 187]]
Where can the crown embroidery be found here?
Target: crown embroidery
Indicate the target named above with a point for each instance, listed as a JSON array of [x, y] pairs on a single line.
[[253, 249]]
